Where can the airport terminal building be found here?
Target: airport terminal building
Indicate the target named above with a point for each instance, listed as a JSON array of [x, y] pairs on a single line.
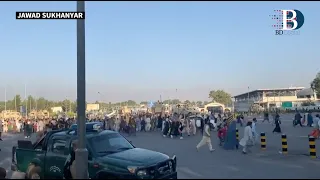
[[274, 98]]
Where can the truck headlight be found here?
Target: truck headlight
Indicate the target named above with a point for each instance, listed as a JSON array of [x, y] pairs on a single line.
[[132, 169], [142, 173]]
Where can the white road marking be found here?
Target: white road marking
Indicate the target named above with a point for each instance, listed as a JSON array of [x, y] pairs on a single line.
[[188, 171], [264, 161], [279, 163], [303, 136], [294, 166], [232, 168]]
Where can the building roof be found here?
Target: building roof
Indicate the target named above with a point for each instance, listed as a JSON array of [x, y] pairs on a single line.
[[305, 92], [270, 89]]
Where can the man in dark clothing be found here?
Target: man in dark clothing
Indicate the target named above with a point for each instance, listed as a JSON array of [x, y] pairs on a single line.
[[266, 117], [297, 119], [159, 125]]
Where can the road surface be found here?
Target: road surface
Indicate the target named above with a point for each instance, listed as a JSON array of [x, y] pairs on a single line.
[[233, 164], [9, 140]]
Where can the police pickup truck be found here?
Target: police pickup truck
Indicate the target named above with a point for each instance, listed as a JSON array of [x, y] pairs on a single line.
[[111, 156]]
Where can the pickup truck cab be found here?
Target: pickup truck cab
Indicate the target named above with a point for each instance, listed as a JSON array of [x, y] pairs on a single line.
[[111, 156]]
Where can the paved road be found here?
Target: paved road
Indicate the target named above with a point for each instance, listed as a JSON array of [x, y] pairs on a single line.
[[222, 163], [9, 140], [233, 164]]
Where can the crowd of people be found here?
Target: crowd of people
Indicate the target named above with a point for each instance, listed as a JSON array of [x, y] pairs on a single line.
[[29, 126]]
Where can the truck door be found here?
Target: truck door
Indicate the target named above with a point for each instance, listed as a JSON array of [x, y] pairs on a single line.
[[23, 156], [57, 153]]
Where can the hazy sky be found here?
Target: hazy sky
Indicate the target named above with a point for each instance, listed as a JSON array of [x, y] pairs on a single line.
[[141, 50]]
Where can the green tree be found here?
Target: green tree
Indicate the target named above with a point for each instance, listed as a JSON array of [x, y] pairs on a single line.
[[199, 103], [31, 103], [143, 102], [66, 105], [220, 96], [315, 84], [167, 101], [175, 101], [42, 103], [187, 102], [131, 103]]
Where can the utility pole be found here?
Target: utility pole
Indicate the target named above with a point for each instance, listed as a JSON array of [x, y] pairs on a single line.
[[81, 152]]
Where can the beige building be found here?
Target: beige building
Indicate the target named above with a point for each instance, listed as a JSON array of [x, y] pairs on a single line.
[[93, 107], [274, 98], [10, 115], [57, 109]]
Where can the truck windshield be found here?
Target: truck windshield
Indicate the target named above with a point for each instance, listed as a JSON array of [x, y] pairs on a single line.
[[109, 143]]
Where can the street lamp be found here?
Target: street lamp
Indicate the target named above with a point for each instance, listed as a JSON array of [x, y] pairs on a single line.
[[102, 96], [81, 152]]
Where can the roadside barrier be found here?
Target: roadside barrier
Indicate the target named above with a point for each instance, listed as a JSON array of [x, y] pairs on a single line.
[[263, 140], [284, 144], [237, 137], [312, 147]]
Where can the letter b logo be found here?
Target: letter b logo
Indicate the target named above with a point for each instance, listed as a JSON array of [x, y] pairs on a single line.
[[292, 19]]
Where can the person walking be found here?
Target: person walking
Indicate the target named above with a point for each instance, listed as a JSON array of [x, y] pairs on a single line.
[[231, 141], [206, 137], [247, 140], [266, 117], [297, 119], [316, 125], [309, 119], [193, 127], [254, 130], [277, 122], [148, 123]]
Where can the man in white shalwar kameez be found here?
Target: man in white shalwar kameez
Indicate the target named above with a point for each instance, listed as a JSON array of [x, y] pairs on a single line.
[[206, 137], [193, 127], [247, 139], [40, 126], [117, 125], [148, 124], [18, 124], [254, 130]]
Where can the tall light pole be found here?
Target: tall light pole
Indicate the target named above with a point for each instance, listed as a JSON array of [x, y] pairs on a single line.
[[15, 102], [100, 98], [5, 98], [248, 98], [26, 99], [81, 152]]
